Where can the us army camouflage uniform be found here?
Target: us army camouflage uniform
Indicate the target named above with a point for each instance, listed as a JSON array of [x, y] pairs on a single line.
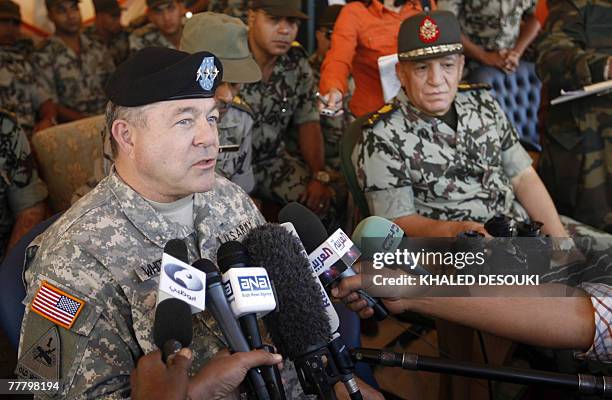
[[74, 81], [235, 8], [236, 127], [576, 162], [408, 162], [148, 36], [119, 46], [19, 92], [106, 250], [20, 186], [491, 24]]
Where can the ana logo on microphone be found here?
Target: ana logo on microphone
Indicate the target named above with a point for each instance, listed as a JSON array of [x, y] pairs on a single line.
[[183, 277], [253, 283]]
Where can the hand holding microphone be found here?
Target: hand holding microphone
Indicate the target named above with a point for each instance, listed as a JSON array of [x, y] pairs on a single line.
[[152, 378]]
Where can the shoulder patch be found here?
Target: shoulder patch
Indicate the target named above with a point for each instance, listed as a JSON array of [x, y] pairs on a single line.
[[42, 359], [463, 87], [57, 306], [239, 103], [382, 114]]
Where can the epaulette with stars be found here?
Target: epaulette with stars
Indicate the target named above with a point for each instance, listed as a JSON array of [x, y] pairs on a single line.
[[239, 103], [381, 114], [464, 87]]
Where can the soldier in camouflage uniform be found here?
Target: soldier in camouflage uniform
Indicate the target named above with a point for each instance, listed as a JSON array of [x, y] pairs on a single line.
[[576, 162], [18, 91], [285, 97], [165, 28], [103, 254], [71, 67], [21, 191], [494, 33], [235, 8], [440, 162], [226, 37], [107, 30]]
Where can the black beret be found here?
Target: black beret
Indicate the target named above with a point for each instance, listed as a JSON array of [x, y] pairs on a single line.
[[429, 35], [158, 74]]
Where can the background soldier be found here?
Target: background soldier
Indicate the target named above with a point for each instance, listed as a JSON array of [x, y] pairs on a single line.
[[22, 193], [107, 30], [165, 27], [18, 92], [235, 8], [576, 162], [285, 96], [71, 67], [226, 37]]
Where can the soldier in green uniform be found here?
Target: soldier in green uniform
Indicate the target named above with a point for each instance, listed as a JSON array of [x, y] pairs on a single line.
[[576, 162], [285, 97], [495, 32], [107, 30], [235, 8], [18, 90], [440, 162], [226, 37], [165, 26], [71, 67], [22, 193]]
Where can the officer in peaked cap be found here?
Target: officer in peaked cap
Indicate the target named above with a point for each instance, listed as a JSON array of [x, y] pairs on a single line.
[[103, 254]]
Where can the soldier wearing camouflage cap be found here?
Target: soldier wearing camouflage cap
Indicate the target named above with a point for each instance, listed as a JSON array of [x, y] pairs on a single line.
[[70, 66], [102, 257], [441, 162], [107, 30], [164, 28], [285, 100], [19, 92]]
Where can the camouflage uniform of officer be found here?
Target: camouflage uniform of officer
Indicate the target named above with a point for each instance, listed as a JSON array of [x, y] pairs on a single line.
[[18, 90], [235, 8], [148, 36], [408, 162], [74, 80], [576, 162], [20, 186], [226, 37], [493, 25]]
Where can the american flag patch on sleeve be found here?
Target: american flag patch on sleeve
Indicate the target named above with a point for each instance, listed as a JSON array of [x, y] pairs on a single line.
[[57, 306]]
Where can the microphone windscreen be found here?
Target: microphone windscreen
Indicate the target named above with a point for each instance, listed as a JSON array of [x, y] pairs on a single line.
[[210, 269], [232, 254], [308, 226], [172, 321], [300, 322], [177, 249]]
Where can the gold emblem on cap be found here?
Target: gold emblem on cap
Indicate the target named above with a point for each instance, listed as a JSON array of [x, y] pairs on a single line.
[[428, 31]]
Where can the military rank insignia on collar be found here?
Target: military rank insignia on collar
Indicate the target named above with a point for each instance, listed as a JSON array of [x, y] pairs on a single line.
[[57, 306], [207, 72], [428, 30]]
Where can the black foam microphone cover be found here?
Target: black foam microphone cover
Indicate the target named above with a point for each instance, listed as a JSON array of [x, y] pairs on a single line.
[[300, 323], [177, 249], [232, 254], [172, 322], [308, 226]]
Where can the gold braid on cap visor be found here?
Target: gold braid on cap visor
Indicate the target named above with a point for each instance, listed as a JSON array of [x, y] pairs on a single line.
[[432, 50]]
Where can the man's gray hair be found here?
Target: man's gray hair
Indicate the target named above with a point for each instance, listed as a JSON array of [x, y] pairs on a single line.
[[134, 115]]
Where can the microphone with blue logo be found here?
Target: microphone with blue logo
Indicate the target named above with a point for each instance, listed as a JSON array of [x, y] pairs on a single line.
[[250, 295]]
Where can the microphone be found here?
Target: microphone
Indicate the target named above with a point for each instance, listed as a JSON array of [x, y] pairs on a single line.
[[178, 249], [217, 305], [249, 293], [374, 234], [180, 280], [316, 242], [172, 329], [300, 328]]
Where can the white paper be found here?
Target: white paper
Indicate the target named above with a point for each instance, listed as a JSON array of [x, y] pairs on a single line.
[[389, 81], [595, 88]]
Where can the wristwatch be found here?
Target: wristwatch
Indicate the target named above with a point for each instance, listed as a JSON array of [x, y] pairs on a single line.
[[323, 177]]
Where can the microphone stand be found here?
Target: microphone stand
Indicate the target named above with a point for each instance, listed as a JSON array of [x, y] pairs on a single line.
[[317, 373], [583, 384]]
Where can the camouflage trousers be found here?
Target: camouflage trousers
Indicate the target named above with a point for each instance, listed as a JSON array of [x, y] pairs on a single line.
[[284, 179]]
